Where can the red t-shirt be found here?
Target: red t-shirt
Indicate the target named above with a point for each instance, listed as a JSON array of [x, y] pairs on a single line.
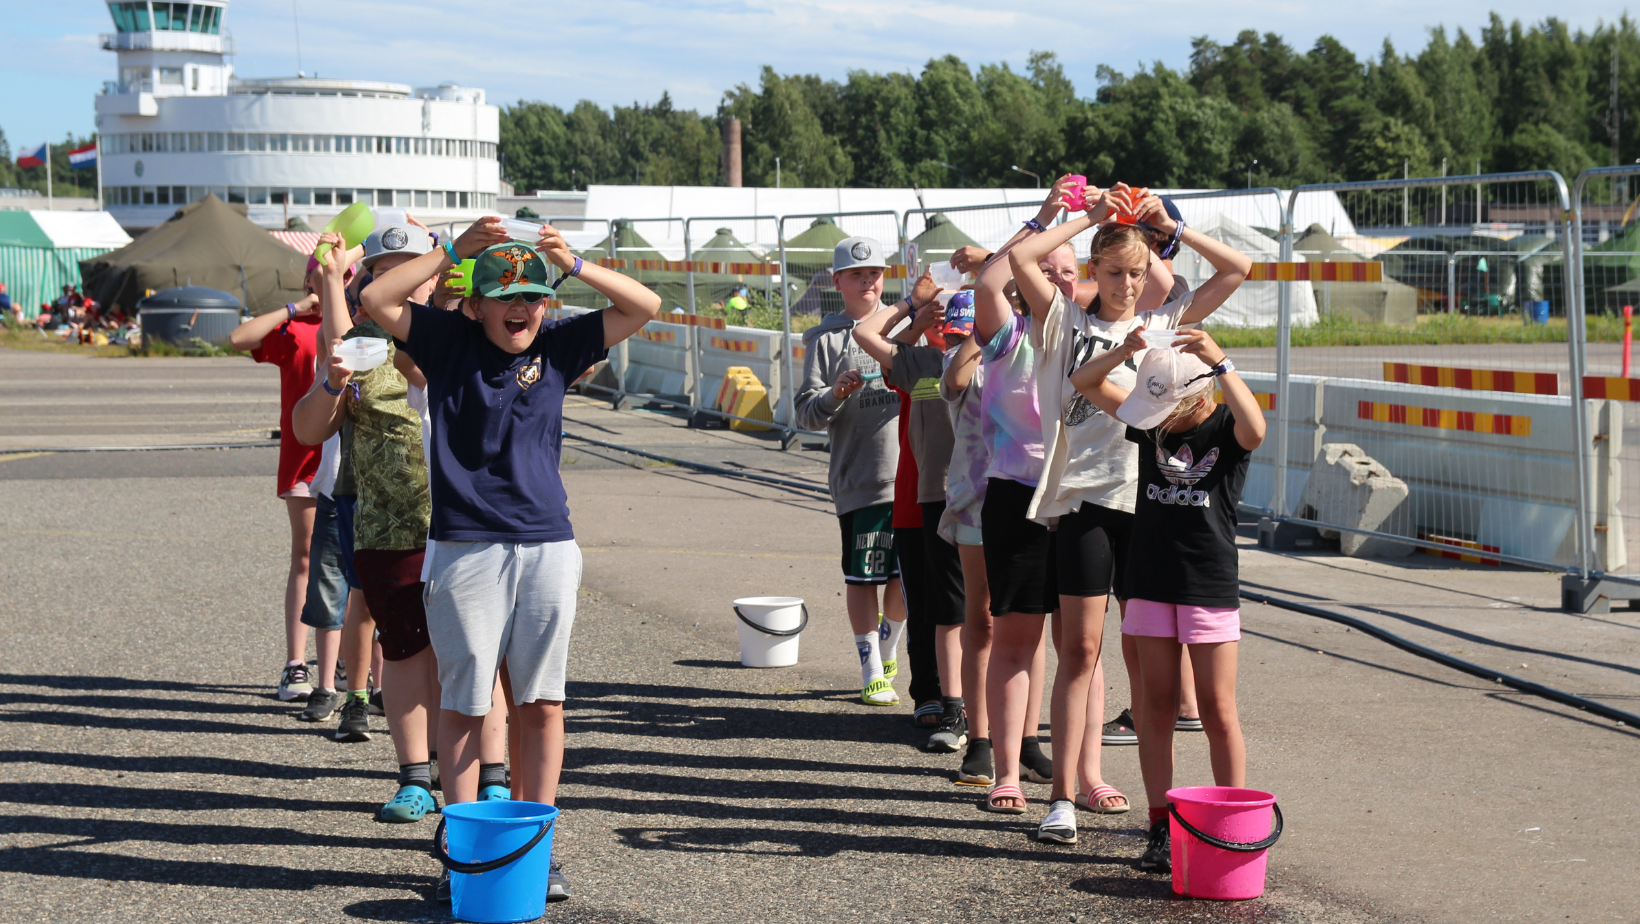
[[907, 512], [293, 347]]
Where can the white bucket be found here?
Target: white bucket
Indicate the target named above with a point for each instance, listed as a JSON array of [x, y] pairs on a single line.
[[769, 630]]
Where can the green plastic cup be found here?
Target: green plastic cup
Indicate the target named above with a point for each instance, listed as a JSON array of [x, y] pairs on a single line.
[[354, 224], [467, 266]]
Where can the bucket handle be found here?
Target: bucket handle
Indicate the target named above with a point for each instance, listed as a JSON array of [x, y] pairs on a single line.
[[1212, 841], [778, 633], [473, 869]]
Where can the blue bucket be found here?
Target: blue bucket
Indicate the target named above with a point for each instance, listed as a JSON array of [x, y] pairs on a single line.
[[1537, 312], [498, 854]]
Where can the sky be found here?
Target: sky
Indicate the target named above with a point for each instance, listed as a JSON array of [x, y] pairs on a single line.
[[621, 52]]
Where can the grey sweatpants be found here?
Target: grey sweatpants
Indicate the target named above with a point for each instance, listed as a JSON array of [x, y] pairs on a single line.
[[489, 600]]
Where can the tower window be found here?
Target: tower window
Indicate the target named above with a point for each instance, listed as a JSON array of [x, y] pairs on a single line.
[[171, 76]]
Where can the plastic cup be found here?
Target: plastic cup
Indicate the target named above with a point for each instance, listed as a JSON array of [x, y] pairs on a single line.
[[465, 268], [362, 354], [946, 276], [392, 216], [1074, 197], [520, 230], [354, 224], [1159, 338]]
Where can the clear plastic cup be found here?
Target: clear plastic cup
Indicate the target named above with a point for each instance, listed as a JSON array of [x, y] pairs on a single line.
[[1159, 338], [386, 215], [946, 276], [520, 230], [362, 354]]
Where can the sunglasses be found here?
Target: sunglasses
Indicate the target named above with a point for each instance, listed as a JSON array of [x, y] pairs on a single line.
[[528, 298]]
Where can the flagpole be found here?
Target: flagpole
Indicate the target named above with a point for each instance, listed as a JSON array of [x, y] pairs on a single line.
[[99, 172], [50, 206]]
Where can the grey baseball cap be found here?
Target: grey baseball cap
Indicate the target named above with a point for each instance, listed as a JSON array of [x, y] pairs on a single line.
[[395, 238], [856, 252]]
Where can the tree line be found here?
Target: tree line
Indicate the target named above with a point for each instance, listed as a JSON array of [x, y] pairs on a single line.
[[1252, 110]]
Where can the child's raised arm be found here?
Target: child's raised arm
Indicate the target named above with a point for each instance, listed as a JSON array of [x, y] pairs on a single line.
[[871, 333], [1243, 406], [1231, 265], [384, 298], [991, 308], [961, 370], [631, 304], [1092, 378], [1034, 286]]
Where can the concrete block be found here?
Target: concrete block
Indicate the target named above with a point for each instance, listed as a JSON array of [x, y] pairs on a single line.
[[1347, 487]]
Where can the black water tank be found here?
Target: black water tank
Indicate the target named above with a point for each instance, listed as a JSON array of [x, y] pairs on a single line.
[[178, 315]]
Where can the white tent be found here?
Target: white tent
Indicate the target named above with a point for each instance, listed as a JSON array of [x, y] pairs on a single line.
[[40, 251], [1255, 304]]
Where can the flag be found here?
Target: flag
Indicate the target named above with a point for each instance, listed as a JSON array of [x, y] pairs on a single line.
[[34, 158], [82, 158]]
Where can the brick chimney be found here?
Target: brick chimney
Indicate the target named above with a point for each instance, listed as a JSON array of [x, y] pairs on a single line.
[[731, 152]]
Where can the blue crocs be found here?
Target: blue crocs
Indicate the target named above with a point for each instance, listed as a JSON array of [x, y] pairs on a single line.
[[495, 793], [409, 804]]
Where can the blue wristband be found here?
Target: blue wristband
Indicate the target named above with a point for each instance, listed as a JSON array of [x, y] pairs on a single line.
[[450, 251], [1034, 225]]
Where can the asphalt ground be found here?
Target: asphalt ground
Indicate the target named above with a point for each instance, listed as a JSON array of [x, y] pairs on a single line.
[[152, 775]]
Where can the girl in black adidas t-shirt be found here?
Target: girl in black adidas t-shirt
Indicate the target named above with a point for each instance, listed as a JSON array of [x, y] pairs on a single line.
[[1181, 567]]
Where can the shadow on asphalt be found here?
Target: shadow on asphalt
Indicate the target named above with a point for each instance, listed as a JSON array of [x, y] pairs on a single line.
[[64, 861], [90, 795], [208, 766], [765, 841], [111, 831], [85, 682]]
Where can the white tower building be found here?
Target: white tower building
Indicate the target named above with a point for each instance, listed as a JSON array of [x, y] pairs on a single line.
[[178, 125]]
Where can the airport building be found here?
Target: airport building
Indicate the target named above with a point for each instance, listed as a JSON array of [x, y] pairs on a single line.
[[179, 124]]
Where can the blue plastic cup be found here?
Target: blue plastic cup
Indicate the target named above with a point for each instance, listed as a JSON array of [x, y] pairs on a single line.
[[498, 854]]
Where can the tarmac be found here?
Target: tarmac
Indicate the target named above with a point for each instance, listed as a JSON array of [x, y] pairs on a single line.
[[151, 775]]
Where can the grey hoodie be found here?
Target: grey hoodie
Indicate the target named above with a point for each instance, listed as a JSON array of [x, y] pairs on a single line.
[[865, 449]]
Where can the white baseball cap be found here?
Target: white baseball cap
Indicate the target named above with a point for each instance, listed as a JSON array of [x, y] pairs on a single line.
[[1166, 377], [395, 238], [855, 252]]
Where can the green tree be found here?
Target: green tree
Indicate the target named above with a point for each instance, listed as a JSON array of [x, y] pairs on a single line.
[[777, 120], [1386, 149]]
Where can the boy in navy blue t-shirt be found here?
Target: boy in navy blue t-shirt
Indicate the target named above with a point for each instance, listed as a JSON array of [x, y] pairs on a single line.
[[503, 568]]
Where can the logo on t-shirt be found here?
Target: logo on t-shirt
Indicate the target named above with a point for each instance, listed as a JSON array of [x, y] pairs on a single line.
[[1085, 347], [1183, 472], [531, 374]]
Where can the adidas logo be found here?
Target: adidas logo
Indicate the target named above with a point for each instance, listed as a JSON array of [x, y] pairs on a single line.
[[1181, 495]]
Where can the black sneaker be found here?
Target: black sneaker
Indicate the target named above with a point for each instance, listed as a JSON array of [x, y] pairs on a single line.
[[1188, 723], [1158, 855], [978, 766], [341, 674], [1120, 730], [951, 736], [376, 707], [294, 683], [1033, 764], [355, 723], [321, 705], [557, 885], [441, 890]]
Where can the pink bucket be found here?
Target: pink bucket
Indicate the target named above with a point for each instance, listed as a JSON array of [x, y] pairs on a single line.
[[1219, 836]]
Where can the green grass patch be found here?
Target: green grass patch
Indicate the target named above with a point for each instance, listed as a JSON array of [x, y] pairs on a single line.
[[28, 338], [1431, 329]]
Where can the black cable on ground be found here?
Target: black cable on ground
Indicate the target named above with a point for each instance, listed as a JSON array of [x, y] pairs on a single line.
[[714, 469], [1457, 664]]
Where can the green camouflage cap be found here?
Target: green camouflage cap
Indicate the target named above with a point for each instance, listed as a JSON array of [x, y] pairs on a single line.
[[510, 267]]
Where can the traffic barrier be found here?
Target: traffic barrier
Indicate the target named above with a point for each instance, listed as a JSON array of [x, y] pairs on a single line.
[[744, 399], [1532, 383]]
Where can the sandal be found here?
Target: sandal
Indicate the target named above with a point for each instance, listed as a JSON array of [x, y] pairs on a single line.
[[879, 692], [1096, 796], [928, 715], [1060, 825], [1005, 792]]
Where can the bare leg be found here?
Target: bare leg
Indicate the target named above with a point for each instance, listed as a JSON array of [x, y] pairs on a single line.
[[541, 758], [411, 695], [1079, 631], [1011, 689], [1159, 659], [862, 606], [1089, 771], [1032, 723], [948, 653], [300, 511], [358, 638], [375, 657], [1216, 679], [1188, 709], [976, 638], [328, 644], [459, 737], [893, 601], [492, 746], [1130, 660], [515, 728]]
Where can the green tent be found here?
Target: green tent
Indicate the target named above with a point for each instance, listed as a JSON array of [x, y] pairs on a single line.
[[40, 252], [1387, 302], [672, 287], [808, 256], [714, 288], [206, 243], [940, 239]]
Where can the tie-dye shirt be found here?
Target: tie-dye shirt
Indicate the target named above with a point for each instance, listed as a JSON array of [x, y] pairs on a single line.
[[1009, 403]]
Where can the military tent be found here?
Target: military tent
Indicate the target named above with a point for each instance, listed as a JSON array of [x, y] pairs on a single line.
[[206, 243], [1388, 302], [40, 251]]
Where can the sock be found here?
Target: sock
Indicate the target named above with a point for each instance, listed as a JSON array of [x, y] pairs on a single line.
[[953, 706], [362, 695], [891, 632], [416, 775], [871, 663], [492, 775], [1157, 814], [432, 764]]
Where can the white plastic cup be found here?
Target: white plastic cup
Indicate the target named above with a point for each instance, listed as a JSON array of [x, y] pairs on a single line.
[[387, 215], [361, 354], [1160, 338], [520, 230], [946, 276]]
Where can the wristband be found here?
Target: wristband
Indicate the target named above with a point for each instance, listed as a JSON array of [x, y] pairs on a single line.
[[576, 269], [1171, 248], [450, 251], [1224, 367], [334, 392], [1034, 225], [290, 309]]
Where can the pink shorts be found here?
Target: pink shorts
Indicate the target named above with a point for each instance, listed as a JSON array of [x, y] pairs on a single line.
[[1191, 625]]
